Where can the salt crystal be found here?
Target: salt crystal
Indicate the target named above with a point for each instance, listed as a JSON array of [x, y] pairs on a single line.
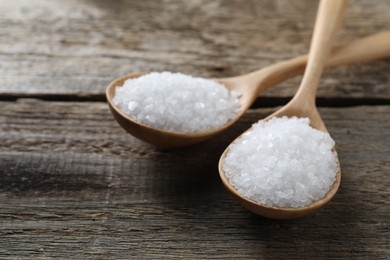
[[177, 102], [132, 105], [298, 168]]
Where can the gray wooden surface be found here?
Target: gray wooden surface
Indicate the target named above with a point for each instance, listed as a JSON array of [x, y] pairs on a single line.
[[74, 185], [78, 47]]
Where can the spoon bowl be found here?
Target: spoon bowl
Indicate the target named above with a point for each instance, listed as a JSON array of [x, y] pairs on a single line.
[[290, 110], [159, 137], [281, 213], [249, 86]]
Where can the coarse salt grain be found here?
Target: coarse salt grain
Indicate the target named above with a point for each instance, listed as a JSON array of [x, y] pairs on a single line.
[[282, 162], [177, 102]]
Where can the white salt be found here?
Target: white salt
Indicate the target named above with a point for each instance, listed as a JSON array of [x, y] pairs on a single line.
[[177, 102], [282, 162]]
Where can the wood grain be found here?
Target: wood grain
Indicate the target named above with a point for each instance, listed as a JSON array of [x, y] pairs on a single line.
[[75, 185], [76, 48]]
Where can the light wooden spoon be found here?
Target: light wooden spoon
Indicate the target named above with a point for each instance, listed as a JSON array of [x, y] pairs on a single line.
[[250, 86], [328, 20]]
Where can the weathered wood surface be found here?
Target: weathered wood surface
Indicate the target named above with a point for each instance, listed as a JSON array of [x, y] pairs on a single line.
[[75, 185], [77, 47]]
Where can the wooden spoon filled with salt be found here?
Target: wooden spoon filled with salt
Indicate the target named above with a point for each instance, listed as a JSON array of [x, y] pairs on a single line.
[[283, 167], [249, 86]]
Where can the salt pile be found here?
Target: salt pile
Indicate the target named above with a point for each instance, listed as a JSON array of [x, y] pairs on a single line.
[[177, 102], [282, 162]]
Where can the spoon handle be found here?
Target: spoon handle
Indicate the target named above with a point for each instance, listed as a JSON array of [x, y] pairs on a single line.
[[369, 48], [365, 49], [329, 17]]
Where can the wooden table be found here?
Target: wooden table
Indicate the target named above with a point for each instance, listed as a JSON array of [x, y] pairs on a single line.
[[74, 185]]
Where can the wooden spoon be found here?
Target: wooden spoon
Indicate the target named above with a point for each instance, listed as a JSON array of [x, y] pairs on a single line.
[[328, 19], [250, 86]]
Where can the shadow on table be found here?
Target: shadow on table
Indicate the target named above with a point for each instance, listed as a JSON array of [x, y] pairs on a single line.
[[191, 173], [194, 191]]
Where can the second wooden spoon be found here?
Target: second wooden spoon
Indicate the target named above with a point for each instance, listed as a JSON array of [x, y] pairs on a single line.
[[250, 86]]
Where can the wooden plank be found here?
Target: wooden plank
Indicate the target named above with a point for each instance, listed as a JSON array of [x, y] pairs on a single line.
[[77, 47], [75, 185]]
